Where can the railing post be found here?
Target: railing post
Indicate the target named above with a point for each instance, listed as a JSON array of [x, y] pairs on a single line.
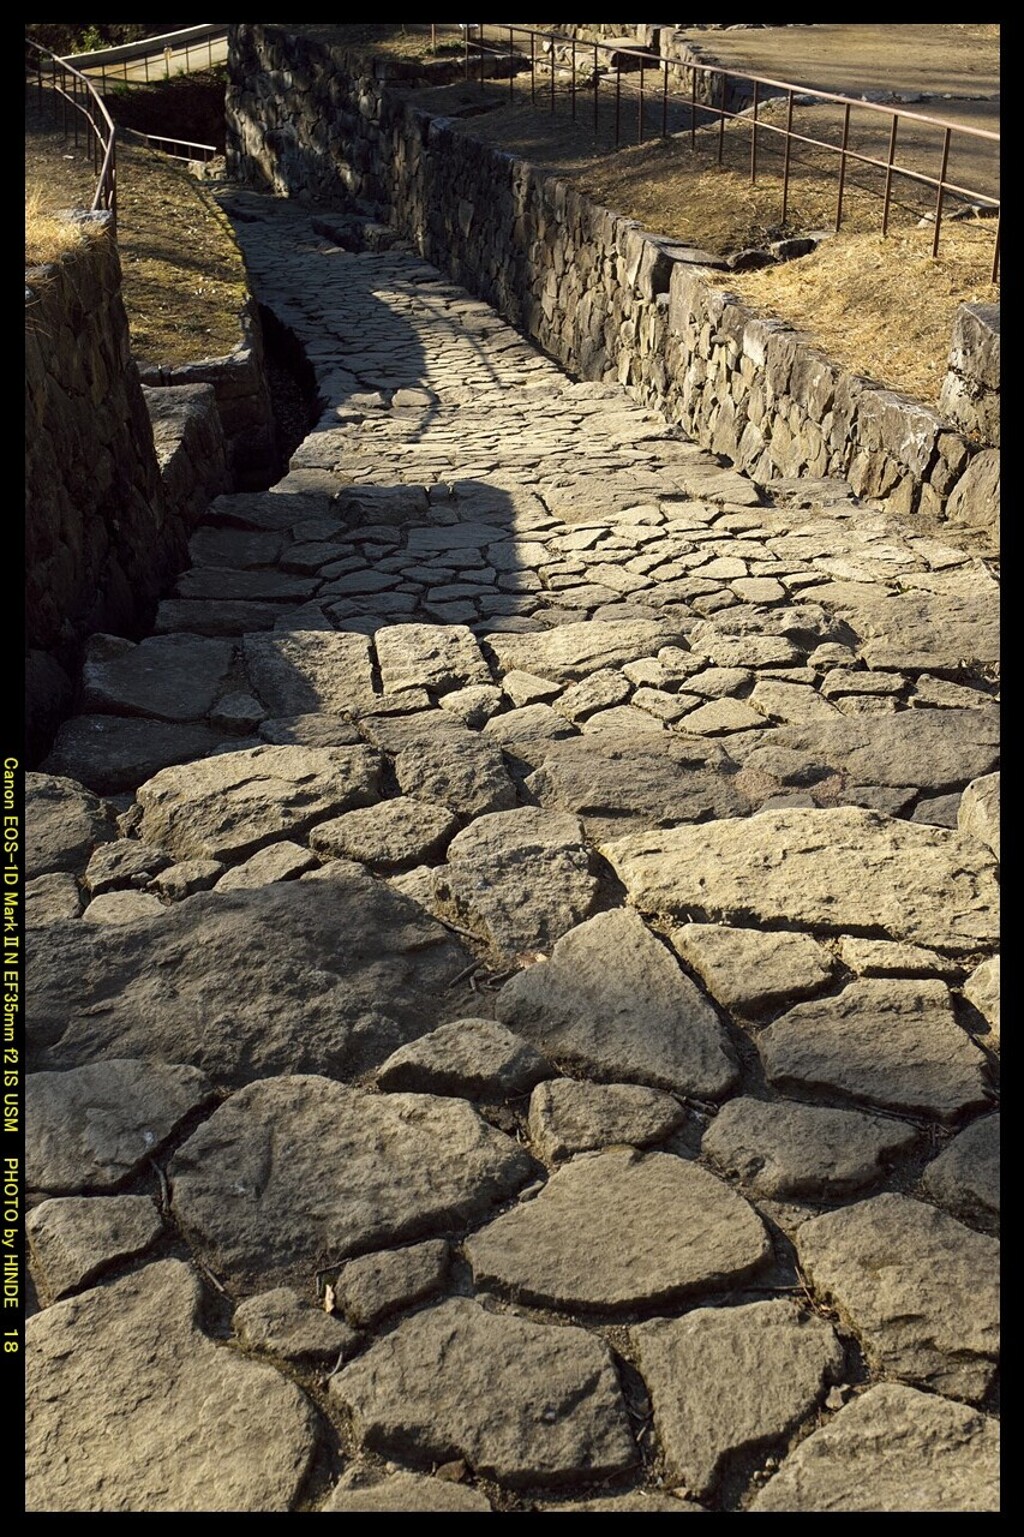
[[533, 69], [941, 192], [721, 121], [842, 166], [995, 253], [595, 92], [664, 104], [618, 101], [693, 109], [465, 49], [753, 142], [573, 83], [481, 27], [640, 108], [511, 71], [552, 77], [888, 174], [785, 163]]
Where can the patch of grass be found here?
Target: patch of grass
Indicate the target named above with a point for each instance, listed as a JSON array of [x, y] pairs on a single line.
[[48, 237]]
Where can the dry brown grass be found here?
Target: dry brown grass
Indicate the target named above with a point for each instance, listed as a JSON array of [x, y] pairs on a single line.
[[48, 237]]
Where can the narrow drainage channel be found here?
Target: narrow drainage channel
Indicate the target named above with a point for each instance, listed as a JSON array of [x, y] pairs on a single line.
[[291, 381]]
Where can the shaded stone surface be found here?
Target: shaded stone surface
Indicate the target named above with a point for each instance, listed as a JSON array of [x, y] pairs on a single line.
[[892, 1449], [125, 862], [109, 753], [612, 1002], [783, 1150], [890, 1042], [523, 1403], [50, 898], [749, 971], [567, 1116], [621, 1229], [366, 970], [920, 1289], [91, 1127], [277, 862], [983, 991], [228, 806], [727, 1380], [474, 1058], [75, 1238], [374, 1285], [402, 1491], [833, 870], [440, 657], [518, 878], [171, 677], [291, 1169], [281, 1324], [636, 1500], [149, 1414], [388, 836], [63, 824], [965, 1177], [310, 672]]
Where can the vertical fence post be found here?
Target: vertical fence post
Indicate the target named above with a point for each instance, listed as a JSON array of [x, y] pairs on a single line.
[[753, 141], [533, 69], [145, 62], [595, 91], [664, 104], [842, 166], [188, 63], [618, 100], [640, 108], [511, 70], [465, 49], [480, 29], [693, 109], [552, 56], [74, 115], [995, 252], [939, 196], [721, 122], [888, 174], [572, 86], [785, 163]]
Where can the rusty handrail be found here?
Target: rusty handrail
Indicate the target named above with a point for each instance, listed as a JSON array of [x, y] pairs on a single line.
[[62, 75], [156, 140], [714, 107]]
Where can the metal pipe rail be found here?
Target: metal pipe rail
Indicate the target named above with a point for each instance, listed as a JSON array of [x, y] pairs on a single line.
[[159, 140], [74, 90], [710, 106]]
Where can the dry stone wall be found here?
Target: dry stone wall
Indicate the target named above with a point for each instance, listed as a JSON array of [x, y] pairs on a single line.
[[608, 299]]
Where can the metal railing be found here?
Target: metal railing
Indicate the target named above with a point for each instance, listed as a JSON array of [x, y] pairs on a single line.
[[160, 141], [705, 102], [69, 89], [156, 51]]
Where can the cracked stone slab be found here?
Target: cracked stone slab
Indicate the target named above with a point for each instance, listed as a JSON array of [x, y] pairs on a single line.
[[229, 806], [150, 1414], [523, 1403], [919, 1289], [375, 1285], [472, 1058], [617, 782], [402, 1491], [965, 1177], [390, 836], [572, 651], [927, 630], [366, 970], [518, 878], [785, 1150], [123, 907], [75, 1238], [282, 861], [978, 813], [310, 672], [621, 1229], [833, 870], [569, 1116], [892, 1449], [310, 731], [93, 1127], [439, 657], [937, 750], [889, 1042], [111, 753], [125, 862], [291, 1169], [612, 1002], [749, 971], [51, 898], [731, 1379], [982, 990], [281, 1323], [462, 772], [170, 677], [64, 823]]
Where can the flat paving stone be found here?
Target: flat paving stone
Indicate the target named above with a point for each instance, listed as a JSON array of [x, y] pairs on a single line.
[[376, 1285], [124, 863], [520, 879], [149, 1413], [463, 772], [919, 1289], [75, 1238], [403, 1491], [280, 1323], [892, 1449], [785, 1150], [312, 730], [156, 990], [111, 753], [389, 836], [51, 898], [90, 1128], [621, 1229], [229, 806], [307, 672], [569, 1116], [728, 1380], [168, 677], [572, 651], [965, 1177], [748, 970], [433, 656], [828, 870], [889, 1042], [523, 1403], [472, 1058], [282, 861], [123, 907], [290, 1169], [611, 1002]]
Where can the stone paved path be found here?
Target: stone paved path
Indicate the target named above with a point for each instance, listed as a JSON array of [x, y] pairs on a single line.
[[517, 1019]]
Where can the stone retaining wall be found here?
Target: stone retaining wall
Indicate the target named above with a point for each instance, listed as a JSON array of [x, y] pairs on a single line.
[[608, 299]]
